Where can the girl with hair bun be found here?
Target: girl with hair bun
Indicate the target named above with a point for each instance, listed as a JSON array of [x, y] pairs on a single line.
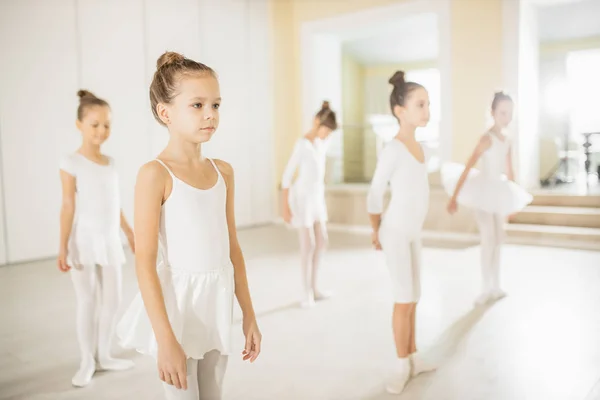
[[491, 192], [90, 242], [304, 201], [189, 262], [397, 232]]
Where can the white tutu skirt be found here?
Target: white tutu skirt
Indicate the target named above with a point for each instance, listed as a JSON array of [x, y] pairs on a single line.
[[307, 208], [88, 247], [492, 195], [200, 309]]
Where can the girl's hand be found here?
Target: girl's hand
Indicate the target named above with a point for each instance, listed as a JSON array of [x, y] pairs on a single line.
[[61, 261], [511, 217], [452, 206], [287, 214], [253, 339], [375, 240], [172, 367], [131, 240]]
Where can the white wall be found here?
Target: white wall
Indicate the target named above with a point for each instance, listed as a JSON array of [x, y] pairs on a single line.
[[521, 66], [110, 47]]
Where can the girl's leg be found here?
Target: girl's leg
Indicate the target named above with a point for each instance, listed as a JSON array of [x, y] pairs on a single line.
[[399, 261], [85, 284], [401, 326], [499, 235], [486, 224], [211, 371], [420, 362], [307, 250], [110, 282], [412, 347], [321, 239], [192, 393]]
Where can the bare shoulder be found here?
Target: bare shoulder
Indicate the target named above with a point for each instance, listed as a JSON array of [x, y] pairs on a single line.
[[153, 174], [224, 167], [485, 141]]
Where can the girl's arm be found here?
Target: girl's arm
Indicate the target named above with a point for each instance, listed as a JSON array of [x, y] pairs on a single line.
[[484, 143], [383, 172], [127, 231], [67, 213], [149, 194], [242, 292], [286, 180]]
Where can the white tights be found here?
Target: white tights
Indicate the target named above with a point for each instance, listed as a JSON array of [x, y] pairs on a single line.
[[98, 293], [204, 379], [491, 229], [312, 243]]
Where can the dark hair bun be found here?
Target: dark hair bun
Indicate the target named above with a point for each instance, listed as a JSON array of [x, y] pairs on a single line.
[[325, 105], [168, 58], [397, 79], [499, 93], [82, 93]]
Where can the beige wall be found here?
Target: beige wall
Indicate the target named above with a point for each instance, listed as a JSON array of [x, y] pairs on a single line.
[[476, 65]]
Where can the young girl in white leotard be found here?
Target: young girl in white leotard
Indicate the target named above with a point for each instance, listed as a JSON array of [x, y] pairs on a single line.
[[90, 242], [185, 220], [304, 201], [491, 192], [403, 164]]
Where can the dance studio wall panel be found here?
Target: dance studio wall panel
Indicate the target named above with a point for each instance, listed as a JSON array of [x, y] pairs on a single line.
[[38, 81], [111, 60], [52, 48]]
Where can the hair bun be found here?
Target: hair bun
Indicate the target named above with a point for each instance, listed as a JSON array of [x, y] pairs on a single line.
[[397, 79], [325, 105], [499, 93], [168, 58], [82, 93]]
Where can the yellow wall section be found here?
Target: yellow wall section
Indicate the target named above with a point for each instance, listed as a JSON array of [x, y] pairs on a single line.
[[565, 46], [353, 117], [476, 65], [285, 101], [477, 70]]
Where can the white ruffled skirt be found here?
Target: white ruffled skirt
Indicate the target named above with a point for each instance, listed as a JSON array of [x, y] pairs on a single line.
[[307, 208], [92, 247], [200, 309], [493, 195]]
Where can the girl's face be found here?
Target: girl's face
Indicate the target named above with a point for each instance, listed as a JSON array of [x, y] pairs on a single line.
[[95, 125], [503, 113], [415, 111], [194, 112]]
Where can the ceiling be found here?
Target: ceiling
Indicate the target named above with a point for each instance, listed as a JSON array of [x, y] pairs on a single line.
[[415, 38]]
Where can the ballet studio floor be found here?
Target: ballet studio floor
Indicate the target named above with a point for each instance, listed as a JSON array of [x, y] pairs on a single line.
[[541, 342]]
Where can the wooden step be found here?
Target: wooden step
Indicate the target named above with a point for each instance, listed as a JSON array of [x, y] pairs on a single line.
[[586, 217], [565, 200], [556, 236]]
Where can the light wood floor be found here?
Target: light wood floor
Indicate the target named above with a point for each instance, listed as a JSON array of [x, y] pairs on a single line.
[[541, 342]]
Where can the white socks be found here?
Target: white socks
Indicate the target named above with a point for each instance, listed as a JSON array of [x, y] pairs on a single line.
[[399, 376]]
